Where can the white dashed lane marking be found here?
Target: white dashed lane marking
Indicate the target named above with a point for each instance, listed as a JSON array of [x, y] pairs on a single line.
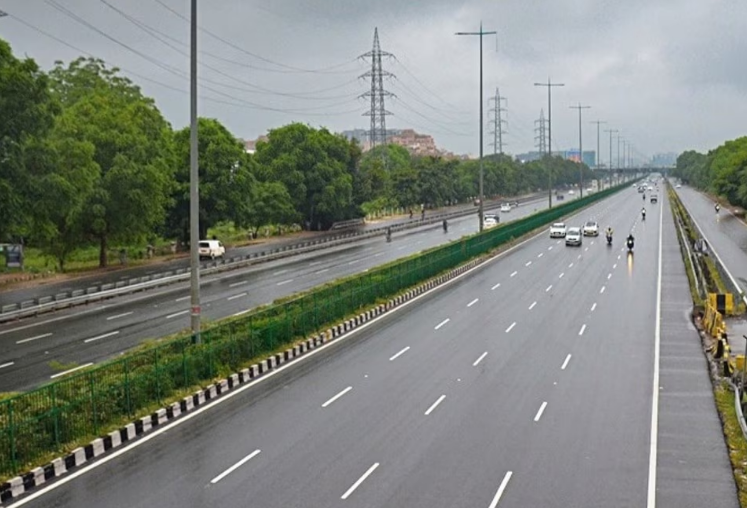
[[405, 350], [532, 306], [495, 287], [480, 359], [539, 413], [439, 325], [511, 327], [470, 304], [565, 363], [435, 405]]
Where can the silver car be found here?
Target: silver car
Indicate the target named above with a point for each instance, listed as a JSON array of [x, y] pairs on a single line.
[[573, 236]]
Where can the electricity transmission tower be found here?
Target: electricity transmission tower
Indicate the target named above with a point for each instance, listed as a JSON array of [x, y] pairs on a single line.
[[541, 137], [498, 121], [377, 112]]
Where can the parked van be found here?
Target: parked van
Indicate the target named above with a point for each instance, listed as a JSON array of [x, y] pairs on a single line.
[[211, 249]]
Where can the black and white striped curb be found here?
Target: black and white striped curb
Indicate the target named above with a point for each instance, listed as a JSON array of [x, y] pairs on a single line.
[[76, 458]]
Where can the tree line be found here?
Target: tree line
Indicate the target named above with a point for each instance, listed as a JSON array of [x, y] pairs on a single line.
[[87, 159], [722, 171]]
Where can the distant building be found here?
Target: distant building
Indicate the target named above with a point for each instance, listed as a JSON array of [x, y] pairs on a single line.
[[662, 160], [250, 146], [528, 157], [590, 157]]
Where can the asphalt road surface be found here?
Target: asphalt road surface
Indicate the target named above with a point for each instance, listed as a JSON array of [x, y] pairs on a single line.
[[529, 382], [723, 231], [87, 335]]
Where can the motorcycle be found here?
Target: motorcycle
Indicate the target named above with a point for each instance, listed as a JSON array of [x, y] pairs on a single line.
[[609, 239], [630, 244], [643, 215], [446, 226]]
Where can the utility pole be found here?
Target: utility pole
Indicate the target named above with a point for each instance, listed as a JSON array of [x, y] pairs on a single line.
[[580, 149], [598, 156], [194, 191], [481, 33], [620, 139], [378, 113], [549, 86], [498, 121], [609, 174]]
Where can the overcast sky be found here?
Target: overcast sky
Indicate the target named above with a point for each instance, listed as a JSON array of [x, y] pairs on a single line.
[[669, 74]]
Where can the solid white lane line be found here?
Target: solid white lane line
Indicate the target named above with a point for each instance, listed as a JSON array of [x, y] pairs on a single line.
[[502, 487], [540, 254], [405, 350], [110, 334], [435, 405], [42, 336], [330, 401], [240, 295], [652, 457], [528, 263], [234, 467], [565, 363], [235, 284], [321, 271], [69, 371], [180, 313], [539, 413], [241, 313], [511, 327], [570, 266], [7, 365], [360, 480], [548, 288], [495, 287], [581, 331], [285, 282], [593, 306], [183, 298], [439, 325], [561, 275], [118, 316], [609, 276], [532, 306], [470, 304], [515, 272], [601, 290], [480, 359]]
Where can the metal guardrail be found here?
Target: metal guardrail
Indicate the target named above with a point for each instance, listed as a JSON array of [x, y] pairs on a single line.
[[92, 294]]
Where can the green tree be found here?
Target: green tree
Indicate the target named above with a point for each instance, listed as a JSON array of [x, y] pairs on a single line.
[[727, 167], [272, 204], [132, 149], [27, 110]]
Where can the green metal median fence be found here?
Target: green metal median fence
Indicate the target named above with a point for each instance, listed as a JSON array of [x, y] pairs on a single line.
[[78, 407]]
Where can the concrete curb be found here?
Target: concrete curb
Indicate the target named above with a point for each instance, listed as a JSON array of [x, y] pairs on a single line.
[[24, 483]]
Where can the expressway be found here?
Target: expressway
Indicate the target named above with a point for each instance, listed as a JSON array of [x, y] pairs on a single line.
[[88, 335], [523, 383]]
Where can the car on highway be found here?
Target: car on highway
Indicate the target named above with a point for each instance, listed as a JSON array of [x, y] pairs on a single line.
[[573, 236], [490, 221], [654, 198], [678, 186], [591, 228], [505, 207], [570, 192], [211, 249], [557, 230]]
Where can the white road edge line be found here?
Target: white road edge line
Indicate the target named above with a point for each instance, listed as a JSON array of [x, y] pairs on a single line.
[[652, 457], [330, 401], [565, 363], [99, 337], [439, 325], [234, 467], [405, 350], [540, 411], [69, 371], [42, 336], [480, 359], [502, 487], [470, 304], [360, 480], [511, 327], [49, 487], [435, 405], [119, 316]]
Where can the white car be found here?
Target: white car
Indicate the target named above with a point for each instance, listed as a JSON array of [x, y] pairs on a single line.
[[573, 236], [211, 249], [571, 192], [490, 221], [591, 228], [557, 230], [505, 207]]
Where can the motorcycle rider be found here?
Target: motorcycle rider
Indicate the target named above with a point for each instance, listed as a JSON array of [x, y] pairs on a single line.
[[718, 207], [630, 241], [608, 233], [643, 213]]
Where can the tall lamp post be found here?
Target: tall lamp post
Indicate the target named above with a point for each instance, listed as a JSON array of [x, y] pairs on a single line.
[[580, 150], [549, 86], [194, 193], [482, 196], [598, 156], [611, 131]]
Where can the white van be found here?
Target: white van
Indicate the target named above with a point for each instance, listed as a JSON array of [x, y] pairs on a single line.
[[211, 249]]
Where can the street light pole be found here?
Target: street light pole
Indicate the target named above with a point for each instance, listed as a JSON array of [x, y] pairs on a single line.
[[482, 196], [549, 86], [610, 168], [580, 150], [194, 194], [619, 171], [598, 156]]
